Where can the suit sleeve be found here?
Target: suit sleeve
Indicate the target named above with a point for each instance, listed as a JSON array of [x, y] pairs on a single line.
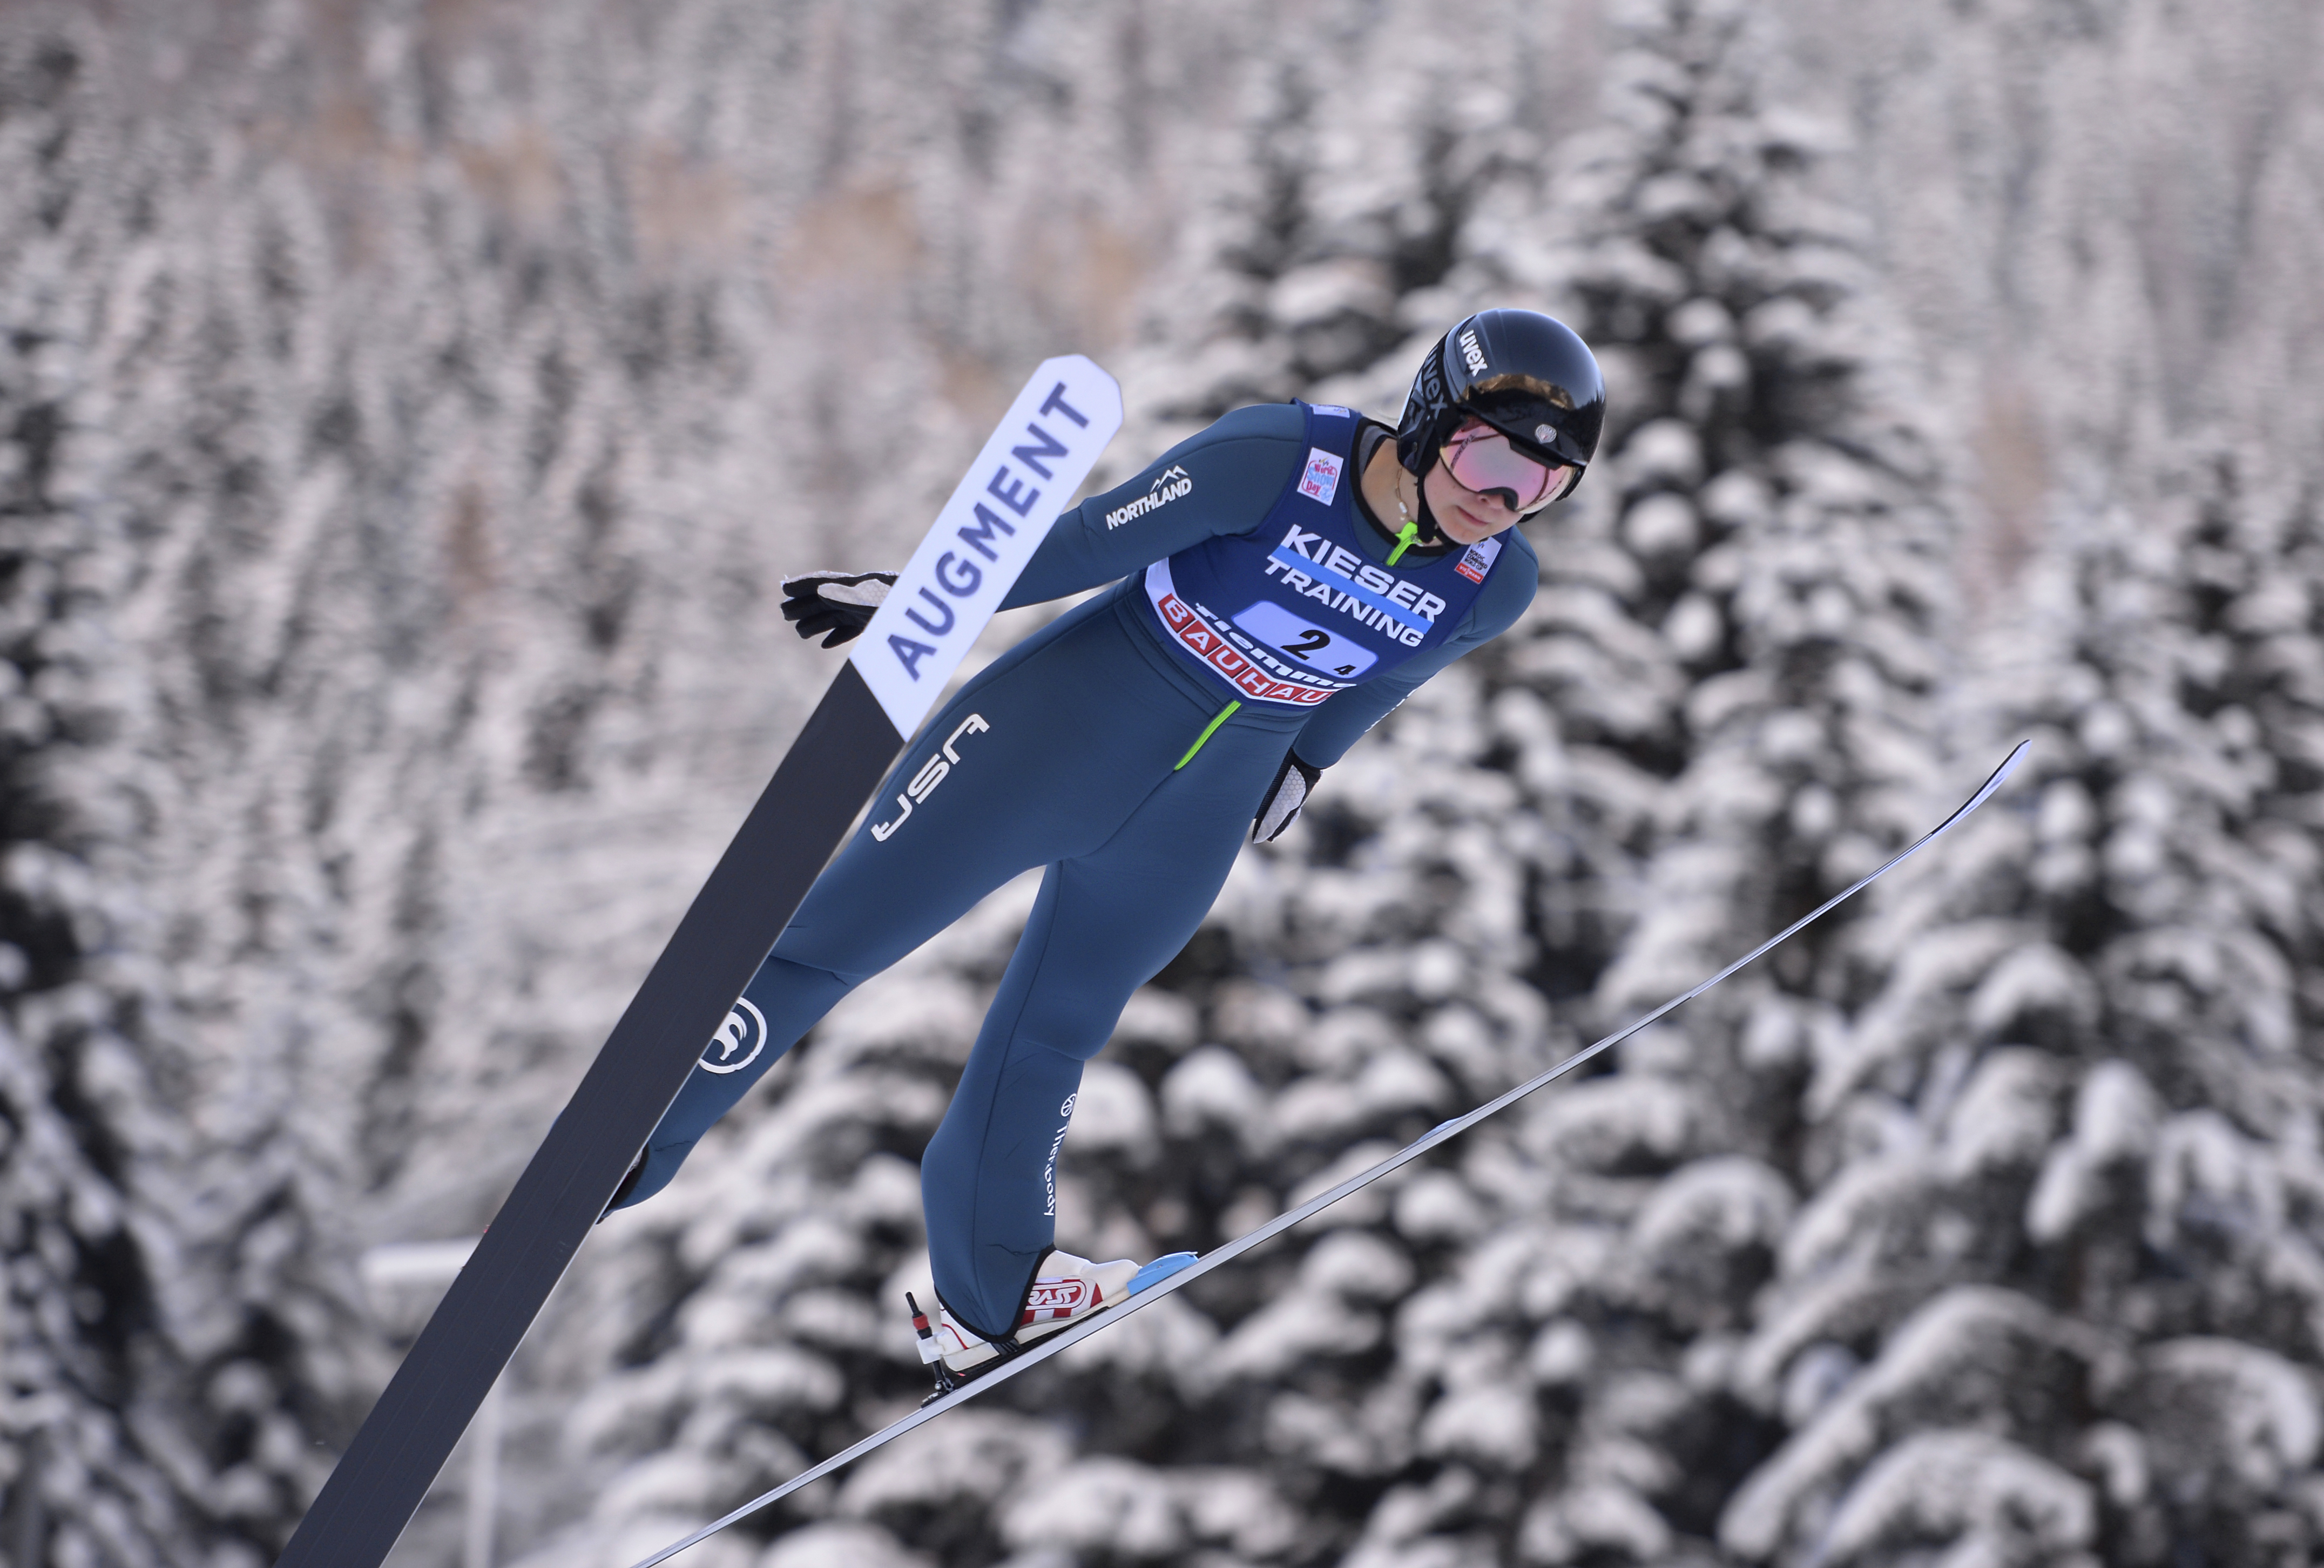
[[1222, 481], [1343, 720]]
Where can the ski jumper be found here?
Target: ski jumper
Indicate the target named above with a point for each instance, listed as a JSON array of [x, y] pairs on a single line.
[[1125, 747]]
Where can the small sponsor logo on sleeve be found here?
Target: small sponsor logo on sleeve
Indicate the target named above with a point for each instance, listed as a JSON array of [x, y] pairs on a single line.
[[1478, 559], [1321, 482], [1168, 485], [1334, 410]]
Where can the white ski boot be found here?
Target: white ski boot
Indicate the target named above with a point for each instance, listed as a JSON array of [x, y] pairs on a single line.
[[1066, 1290]]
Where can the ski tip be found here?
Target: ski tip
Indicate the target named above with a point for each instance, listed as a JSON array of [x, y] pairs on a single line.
[[1986, 791], [2017, 754]]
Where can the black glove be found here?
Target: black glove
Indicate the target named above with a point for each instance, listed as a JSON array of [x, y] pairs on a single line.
[[1285, 797], [839, 603]]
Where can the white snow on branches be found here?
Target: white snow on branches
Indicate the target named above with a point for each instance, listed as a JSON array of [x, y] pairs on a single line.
[[408, 409]]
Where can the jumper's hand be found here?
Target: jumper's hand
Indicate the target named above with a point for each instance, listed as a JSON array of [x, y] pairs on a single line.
[[839, 603], [1293, 782]]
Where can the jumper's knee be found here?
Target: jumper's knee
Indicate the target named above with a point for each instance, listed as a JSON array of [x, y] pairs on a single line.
[[782, 1002], [1072, 1026]]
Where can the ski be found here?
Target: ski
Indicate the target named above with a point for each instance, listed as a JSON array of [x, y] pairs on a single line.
[[1027, 473], [1444, 1131]]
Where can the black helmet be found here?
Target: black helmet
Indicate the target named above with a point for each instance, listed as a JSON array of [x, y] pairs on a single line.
[[1524, 374]]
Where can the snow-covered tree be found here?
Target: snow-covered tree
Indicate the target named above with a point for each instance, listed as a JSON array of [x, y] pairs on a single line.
[[1725, 688], [2074, 1143], [406, 409], [177, 1349]]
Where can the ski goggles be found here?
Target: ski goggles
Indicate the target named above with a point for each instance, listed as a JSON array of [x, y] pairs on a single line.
[[1482, 459]]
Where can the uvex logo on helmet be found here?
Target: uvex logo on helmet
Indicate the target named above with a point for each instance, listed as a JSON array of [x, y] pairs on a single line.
[[1472, 353], [1431, 385]]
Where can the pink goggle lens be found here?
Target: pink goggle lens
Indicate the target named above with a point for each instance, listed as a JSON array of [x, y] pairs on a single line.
[[1482, 459]]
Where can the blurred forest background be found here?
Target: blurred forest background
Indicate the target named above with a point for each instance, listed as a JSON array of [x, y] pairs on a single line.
[[408, 408]]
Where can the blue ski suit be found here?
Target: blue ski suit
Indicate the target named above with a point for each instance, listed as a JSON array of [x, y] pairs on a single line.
[[1125, 747]]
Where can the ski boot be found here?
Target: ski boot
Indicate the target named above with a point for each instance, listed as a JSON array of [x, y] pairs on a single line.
[[1067, 1289]]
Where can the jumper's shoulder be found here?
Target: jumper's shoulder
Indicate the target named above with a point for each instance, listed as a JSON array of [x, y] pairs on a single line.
[[1228, 474], [1259, 438], [1260, 422]]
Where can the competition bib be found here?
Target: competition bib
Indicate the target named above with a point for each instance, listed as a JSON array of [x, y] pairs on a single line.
[[1294, 610]]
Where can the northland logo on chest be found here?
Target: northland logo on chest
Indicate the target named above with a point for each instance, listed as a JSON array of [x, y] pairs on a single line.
[[1372, 595]]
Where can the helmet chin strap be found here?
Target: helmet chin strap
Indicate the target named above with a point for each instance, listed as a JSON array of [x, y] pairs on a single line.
[[1424, 532], [1429, 532]]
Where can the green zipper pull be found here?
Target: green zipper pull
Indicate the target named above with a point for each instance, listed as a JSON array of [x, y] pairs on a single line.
[[1208, 731], [1405, 537]]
